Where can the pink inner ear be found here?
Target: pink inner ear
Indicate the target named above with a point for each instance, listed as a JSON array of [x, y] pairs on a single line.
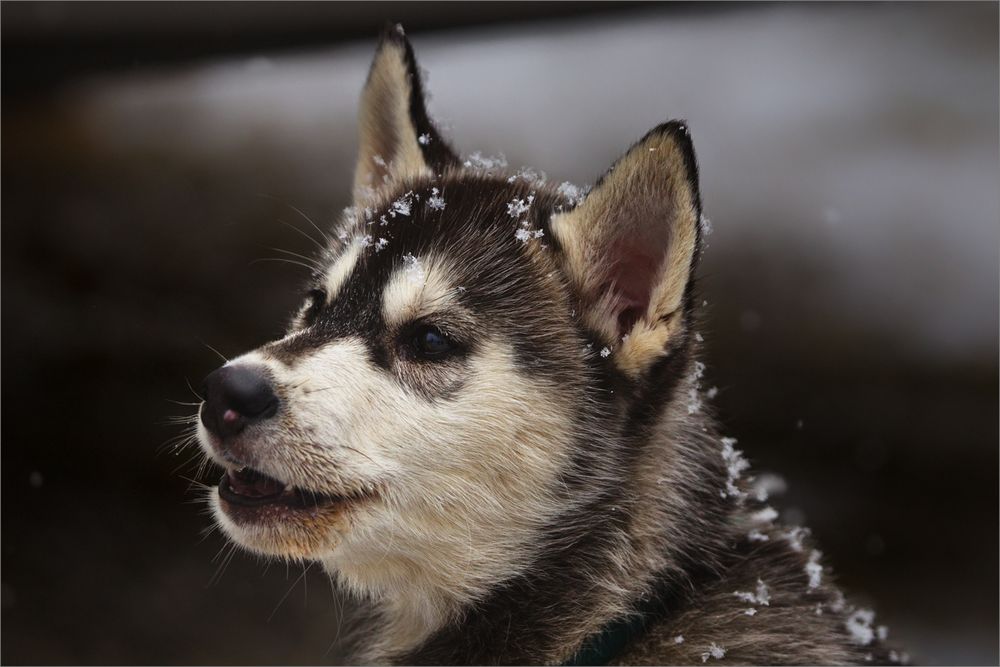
[[631, 274]]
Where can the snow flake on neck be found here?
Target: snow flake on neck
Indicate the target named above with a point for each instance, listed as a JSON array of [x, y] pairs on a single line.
[[795, 537], [714, 651], [760, 597], [814, 570], [859, 626], [736, 464]]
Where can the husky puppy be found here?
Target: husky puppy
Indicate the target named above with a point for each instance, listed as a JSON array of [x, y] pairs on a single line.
[[486, 419]]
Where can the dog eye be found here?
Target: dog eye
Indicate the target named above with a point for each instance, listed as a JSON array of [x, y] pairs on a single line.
[[429, 343], [315, 298]]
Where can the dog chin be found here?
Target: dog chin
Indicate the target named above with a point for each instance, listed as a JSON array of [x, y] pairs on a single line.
[[283, 530]]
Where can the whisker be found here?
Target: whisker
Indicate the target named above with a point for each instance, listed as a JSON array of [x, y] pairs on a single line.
[[170, 400], [311, 260], [282, 259], [221, 356], [299, 211], [291, 588], [311, 239], [309, 220], [197, 395]]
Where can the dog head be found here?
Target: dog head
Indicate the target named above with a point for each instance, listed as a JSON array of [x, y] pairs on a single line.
[[420, 426]]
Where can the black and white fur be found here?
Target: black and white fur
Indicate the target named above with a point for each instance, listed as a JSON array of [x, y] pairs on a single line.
[[553, 471]]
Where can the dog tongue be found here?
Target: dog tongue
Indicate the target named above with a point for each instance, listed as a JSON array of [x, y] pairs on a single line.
[[254, 484]]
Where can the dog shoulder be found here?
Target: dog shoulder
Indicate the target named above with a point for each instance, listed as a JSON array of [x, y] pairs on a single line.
[[774, 605]]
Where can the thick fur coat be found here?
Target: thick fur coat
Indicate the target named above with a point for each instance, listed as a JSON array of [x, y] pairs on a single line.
[[491, 395]]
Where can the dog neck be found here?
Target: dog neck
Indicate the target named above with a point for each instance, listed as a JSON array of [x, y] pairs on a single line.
[[654, 524]]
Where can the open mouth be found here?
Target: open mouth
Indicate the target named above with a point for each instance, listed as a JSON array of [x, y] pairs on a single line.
[[251, 488]]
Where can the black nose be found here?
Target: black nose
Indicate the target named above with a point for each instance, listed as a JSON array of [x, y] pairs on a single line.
[[236, 396]]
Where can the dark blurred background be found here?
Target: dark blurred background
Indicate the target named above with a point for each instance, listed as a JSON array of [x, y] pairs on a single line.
[[151, 152]]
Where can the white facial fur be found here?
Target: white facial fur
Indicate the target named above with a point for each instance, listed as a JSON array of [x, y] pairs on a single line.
[[462, 484]]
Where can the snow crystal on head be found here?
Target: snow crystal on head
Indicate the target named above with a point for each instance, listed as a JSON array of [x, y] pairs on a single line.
[[706, 226], [402, 206], [573, 194], [486, 162], [528, 175], [518, 207], [436, 201], [414, 270]]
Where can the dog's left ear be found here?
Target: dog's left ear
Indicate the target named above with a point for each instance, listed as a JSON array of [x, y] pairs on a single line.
[[397, 138], [631, 247]]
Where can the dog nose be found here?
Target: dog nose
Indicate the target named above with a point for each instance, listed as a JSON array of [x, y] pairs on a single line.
[[236, 396]]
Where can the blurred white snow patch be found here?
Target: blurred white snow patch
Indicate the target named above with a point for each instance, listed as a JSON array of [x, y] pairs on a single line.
[[814, 569], [767, 485], [859, 626], [528, 175], [766, 515], [679, 639], [761, 596], [736, 464], [486, 162], [795, 536]]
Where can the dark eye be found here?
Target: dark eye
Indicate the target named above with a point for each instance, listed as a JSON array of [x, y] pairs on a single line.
[[315, 298], [429, 343]]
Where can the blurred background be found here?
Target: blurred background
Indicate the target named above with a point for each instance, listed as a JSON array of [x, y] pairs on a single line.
[[151, 152]]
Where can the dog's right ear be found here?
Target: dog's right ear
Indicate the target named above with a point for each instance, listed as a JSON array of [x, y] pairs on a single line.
[[397, 138], [631, 247]]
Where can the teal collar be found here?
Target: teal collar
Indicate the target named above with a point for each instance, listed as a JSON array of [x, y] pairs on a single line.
[[607, 644], [604, 646]]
